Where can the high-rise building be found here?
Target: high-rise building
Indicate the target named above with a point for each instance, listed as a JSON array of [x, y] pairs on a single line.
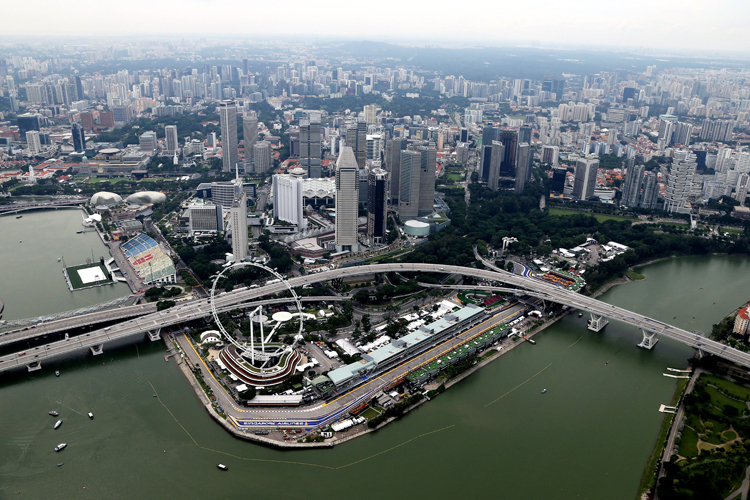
[[743, 183], [347, 201], [250, 137], [631, 190], [147, 142], [523, 170], [87, 121], [121, 114], [170, 140], [33, 142], [262, 157], [356, 138], [585, 178], [679, 182], [682, 133], [377, 203], [287, 199], [495, 154], [409, 184], [489, 134], [228, 119], [370, 113], [79, 138], [427, 165], [28, 121], [509, 138], [558, 180], [205, 217], [309, 147], [238, 218], [393, 150], [550, 155], [650, 191]]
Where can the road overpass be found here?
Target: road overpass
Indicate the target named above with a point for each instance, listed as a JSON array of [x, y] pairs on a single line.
[[20, 207]]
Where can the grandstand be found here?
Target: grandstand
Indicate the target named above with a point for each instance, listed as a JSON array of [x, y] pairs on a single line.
[[148, 259]]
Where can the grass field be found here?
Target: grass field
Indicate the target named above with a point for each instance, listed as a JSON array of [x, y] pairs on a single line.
[[599, 217], [114, 180], [734, 390], [75, 279], [720, 400], [453, 176], [634, 275], [689, 443]]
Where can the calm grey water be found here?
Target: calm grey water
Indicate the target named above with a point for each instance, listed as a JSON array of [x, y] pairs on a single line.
[[31, 279], [589, 436]]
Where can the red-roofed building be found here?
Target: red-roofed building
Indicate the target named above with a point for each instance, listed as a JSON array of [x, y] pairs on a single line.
[[742, 321]]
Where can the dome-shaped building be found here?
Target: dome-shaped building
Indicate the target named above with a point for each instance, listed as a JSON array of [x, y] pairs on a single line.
[[146, 198], [105, 198]]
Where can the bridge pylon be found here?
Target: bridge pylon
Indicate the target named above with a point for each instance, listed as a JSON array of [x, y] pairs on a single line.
[[154, 335], [32, 367], [649, 339], [597, 322], [97, 349]]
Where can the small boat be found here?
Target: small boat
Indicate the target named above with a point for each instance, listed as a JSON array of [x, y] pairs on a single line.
[[91, 416], [20, 241], [57, 373], [580, 315], [53, 413], [58, 424], [60, 464], [605, 364], [154, 395], [19, 216], [59, 259], [79, 232], [222, 467], [60, 446], [544, 390]]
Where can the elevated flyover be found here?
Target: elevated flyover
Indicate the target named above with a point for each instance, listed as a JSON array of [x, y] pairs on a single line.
[[21, 207], [200, 308]]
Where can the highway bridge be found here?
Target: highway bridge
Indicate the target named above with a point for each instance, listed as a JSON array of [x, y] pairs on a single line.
[[20, 207], [200, 308]]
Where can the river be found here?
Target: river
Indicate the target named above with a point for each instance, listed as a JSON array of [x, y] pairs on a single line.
[[31, 279], [492, 435]]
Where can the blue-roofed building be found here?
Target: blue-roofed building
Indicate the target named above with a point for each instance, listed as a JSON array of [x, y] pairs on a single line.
[[150, 262]]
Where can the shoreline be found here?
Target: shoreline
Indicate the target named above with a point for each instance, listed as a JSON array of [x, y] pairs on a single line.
[[293, 444]]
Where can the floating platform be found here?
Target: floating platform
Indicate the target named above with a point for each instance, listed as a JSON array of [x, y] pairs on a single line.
[[87, 276]]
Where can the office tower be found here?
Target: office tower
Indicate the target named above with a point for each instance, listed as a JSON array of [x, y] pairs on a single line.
[[87, 121], [106, 119], [628, 93], [717, 130], [347, 201], [631, 190], [287, 199], [408, 197], [79, 138], [309, 147], [147, 142], [370, 113], [496, 153], [585, 179], [743, 183], [377, 204], [356, 138], [558, 180], [524, 135], [550, 155], [462, 153], [27, 122], [250, 137], [211, 143], [523, 170], [262, 157], [205, 217], [666, 130], [679, 182], [239, 219], [170, 140], [427, 162], [489, 134], [650, 191], [393, 150], [228, 119], [122, 115], [33, 142], [682, 133], [79, 88], [464, 137], [509, 138]]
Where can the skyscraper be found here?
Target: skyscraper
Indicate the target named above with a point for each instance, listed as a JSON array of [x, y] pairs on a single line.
[[393, 150], [309, 147], [33, 142], [79, 138], [347, 201], [239, 220], [631, 190], [356, 138], [495, 154], [370, 113], [489, 134], [523, 169], [558, 180], [679, 182], [262, 157], [170, 140], [509, 138], [585, 180], [427, 162], [377, 205], [249, 136], [228, 119], [408, 198], [650, 191], [287, 199], [550, 155]]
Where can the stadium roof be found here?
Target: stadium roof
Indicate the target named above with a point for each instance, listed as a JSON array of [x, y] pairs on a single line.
[[147, 258]]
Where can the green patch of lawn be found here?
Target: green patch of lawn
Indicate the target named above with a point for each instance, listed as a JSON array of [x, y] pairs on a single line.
[[371, 413], [720, 400], [452, 176], [728, 387], [634, 275], [729, 435], [694, 421], [599, 217], [689, 443]]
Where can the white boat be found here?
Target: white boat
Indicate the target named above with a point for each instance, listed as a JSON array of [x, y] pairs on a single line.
[[222, 467], [58, 424], [53, 413], [544, 390], [60, 446], [57, 373], [91, 416]]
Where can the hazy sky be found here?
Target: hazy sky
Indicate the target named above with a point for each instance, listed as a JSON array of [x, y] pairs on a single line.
[[674, 24]]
